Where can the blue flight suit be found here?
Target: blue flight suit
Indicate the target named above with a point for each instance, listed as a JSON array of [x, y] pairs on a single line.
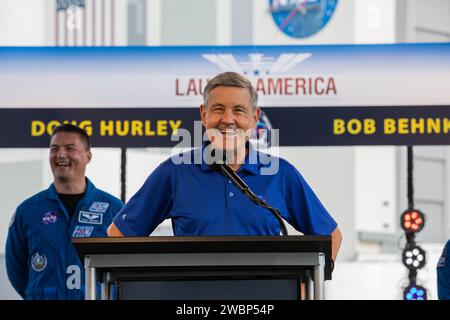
[[40, 259], [443, 274]]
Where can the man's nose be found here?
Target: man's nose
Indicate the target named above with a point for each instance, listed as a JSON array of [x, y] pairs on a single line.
[[228, 116], [61, 153]]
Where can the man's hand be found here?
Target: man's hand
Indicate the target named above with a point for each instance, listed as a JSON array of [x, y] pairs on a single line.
[[336, 239]]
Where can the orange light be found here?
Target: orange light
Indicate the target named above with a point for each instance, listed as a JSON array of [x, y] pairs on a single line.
[[412, 220]]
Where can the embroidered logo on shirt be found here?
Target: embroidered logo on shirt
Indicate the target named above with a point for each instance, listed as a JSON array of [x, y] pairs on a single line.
[[89, 217], [82, 231], [99, 207], [38, 262], [441, 262], [49, 217]]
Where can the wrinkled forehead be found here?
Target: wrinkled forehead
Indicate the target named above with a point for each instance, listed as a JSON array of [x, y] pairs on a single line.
[[230, 95]]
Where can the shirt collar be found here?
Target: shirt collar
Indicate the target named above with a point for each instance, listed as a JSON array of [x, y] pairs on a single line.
[[53, 194], [251, 163]]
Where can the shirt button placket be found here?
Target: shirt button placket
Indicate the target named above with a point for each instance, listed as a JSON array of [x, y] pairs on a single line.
[[229, 193]]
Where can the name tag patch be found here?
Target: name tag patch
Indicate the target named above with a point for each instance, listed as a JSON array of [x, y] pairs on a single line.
[[90, 217]]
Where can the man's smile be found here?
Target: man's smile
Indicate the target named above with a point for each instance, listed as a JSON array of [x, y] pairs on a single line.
[[62, 164]]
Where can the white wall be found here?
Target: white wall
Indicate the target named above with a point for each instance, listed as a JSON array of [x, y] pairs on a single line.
[[26, 22], [376, 189], [428, 20], [21, 177], [375, 21]]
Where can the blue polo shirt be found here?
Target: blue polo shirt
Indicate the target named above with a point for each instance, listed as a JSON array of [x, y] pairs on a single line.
[[201, 201]]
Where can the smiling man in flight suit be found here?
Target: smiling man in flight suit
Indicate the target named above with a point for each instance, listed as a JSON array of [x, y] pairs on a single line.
[[40, 259]]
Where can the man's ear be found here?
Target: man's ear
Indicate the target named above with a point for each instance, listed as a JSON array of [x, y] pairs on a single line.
[[256, 115], [203, 114], [89, 156]]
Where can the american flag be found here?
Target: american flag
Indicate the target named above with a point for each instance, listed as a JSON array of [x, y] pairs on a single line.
[[85, 22]]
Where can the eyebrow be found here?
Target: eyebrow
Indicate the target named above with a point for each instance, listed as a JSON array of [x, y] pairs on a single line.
[[65, 145], [233, 106]]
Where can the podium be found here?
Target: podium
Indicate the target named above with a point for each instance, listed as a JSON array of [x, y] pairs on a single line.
[[206, 268]]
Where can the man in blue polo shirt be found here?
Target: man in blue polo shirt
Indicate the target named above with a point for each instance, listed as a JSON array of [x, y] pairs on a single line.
[[443, 274], [40, 260], [203, 202]]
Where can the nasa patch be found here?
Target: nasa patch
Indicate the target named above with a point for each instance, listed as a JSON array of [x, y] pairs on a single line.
[[441, 262], [49, 217], [99, 207], [90, 217], [82, 231], [38, 262]]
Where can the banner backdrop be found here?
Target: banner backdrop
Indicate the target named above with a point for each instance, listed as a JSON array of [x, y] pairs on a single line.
[[314, 95]]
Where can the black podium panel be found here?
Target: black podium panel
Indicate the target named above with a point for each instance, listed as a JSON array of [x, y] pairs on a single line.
[[252, 289]]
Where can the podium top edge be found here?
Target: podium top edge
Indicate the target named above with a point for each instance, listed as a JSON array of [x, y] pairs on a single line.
[[204, 244], [156, 239]]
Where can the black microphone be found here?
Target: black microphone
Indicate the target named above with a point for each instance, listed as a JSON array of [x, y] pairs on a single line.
[[249, 193]]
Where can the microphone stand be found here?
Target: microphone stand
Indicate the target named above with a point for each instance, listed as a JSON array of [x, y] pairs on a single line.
[[249, 193]]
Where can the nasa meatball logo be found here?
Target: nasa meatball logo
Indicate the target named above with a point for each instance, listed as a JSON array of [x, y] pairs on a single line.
[[49, 218]]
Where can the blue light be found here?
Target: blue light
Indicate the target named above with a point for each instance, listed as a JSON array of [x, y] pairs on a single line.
[[414, 292]]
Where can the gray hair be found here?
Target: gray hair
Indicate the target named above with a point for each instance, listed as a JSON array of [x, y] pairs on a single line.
[[231, 79]]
